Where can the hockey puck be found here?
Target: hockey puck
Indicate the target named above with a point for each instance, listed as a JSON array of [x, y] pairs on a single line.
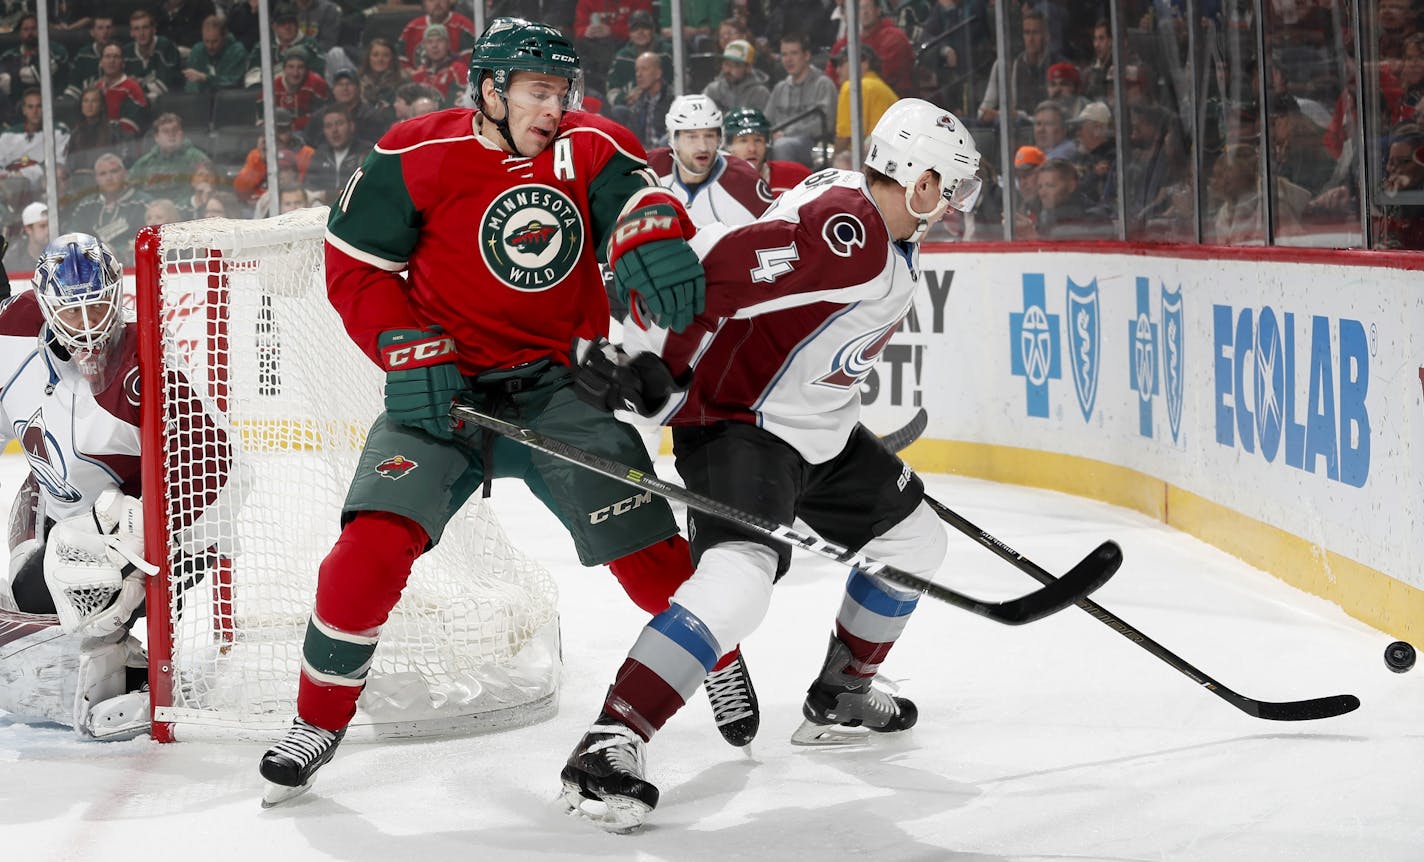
[[1399, 656]]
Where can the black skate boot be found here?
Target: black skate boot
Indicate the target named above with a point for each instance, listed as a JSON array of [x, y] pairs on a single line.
[[734, 703], [291, 764], [840, 708], [607, 766]]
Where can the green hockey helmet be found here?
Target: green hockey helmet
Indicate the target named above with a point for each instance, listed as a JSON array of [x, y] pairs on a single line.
[[511, 45], [746, 121]]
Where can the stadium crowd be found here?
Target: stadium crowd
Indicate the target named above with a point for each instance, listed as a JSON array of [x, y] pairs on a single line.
[[158, 105]]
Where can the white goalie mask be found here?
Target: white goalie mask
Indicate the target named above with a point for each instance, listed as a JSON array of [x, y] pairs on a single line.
[[914, 136], [692, 113], [77, 282]]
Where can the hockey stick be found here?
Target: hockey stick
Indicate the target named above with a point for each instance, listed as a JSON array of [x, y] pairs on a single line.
[[1293, 710], [898, 439], [1055, 596]]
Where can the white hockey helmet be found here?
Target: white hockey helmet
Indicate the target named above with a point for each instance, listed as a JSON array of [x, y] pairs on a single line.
[[77, 281], [915, 136], [693, 112]]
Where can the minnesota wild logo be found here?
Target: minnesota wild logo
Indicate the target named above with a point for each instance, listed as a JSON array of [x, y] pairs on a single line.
[[531, 237]]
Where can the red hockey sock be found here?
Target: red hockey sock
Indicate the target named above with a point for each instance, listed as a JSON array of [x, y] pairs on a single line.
[[359, 582], [652, 575]]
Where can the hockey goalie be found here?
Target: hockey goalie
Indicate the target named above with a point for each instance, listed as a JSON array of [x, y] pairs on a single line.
[[76, 576]]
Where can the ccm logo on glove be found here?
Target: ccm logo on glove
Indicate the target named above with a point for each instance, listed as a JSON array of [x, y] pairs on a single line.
[[419, 354]]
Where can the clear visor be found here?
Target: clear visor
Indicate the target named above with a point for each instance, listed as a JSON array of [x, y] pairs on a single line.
[[540, 95], [962, 194]]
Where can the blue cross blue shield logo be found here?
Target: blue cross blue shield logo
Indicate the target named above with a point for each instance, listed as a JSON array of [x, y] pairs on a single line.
[[1084, 340], [1142, 338], [1173, 363], [1033, 337]]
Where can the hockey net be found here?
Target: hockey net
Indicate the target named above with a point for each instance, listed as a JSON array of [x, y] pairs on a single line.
[[239, 310]]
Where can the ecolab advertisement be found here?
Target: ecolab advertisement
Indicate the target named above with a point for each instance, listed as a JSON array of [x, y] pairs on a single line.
[[1288, 392]]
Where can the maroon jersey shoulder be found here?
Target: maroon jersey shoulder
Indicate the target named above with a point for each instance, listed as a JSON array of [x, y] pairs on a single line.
[[660, 160], [786, 175], [745, 185], [21, 315], [120, 398]]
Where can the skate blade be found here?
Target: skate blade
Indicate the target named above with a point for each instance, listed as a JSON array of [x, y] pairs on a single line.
[[276, 794], [617, 814], [829, 735]]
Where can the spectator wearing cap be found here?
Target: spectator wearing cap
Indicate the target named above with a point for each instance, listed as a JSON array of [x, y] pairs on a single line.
[[459, 29], [1097, 154], [699, 19], [164, 171], [251, 181], [803, 89], [601, 27], [21, 256], [319, 20], [298, 89], [1063, 82], [890, 44], [642, 37], [337, 157], [286, 35], [153, 60], [124, 98], [381, 74], [1028, 72], [876, 97], [216, 63], [1297, 148], [371, 121], [181, 21], [1050, 131], [1027, 161], [1097, 75], [439, 68], [115, 214], [740, 85], [643, 107]]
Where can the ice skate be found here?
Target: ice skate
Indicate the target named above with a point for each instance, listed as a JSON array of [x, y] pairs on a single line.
[[291, 764], [843, 709], [603, 779], [734, 703]]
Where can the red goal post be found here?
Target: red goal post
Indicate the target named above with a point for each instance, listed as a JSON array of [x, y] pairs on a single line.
[[237, 310]]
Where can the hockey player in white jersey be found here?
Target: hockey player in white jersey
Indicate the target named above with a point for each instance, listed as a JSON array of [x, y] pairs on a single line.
[[715, 188], [800, 304], [76, 578]]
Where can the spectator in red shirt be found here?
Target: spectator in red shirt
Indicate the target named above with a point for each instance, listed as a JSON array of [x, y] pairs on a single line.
[[891, 45], [439, 69], [461, 29], [124, 99], [297, 89]]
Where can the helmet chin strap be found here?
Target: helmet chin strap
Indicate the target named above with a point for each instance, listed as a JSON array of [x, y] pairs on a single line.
[[503, 126], [923, 226]]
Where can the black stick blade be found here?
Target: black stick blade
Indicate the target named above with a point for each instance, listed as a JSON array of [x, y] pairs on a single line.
[[898, 439], [1090, 573], [1295, 710]]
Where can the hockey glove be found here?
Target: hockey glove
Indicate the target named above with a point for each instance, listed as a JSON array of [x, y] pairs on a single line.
[[655, 273], [421, 378], [610, 379]]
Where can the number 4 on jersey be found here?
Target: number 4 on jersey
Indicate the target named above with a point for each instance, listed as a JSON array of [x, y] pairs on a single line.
[[773, 263]]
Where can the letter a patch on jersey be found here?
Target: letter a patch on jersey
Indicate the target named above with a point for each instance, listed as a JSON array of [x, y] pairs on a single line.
[[773, 263]]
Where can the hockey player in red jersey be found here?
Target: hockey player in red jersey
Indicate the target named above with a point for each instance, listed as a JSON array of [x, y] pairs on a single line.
[[75, 579], [747, 131], [714, 188], [800, 304], [498, 216]]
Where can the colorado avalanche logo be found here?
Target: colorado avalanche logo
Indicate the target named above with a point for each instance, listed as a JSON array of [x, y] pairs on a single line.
[[1173, 361], [46, 458], [1084, 341], [855, 359], [396, 468], [844, 233], [533, 238]]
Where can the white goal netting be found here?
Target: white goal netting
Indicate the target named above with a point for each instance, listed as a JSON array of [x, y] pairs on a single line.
[[241, 311]]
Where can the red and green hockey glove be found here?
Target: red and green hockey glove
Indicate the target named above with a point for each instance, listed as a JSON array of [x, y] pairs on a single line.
[[421, 378], [655, 273]]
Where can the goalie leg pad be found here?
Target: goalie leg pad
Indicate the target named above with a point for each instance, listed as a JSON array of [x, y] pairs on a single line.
[[103, 675], [39, 666]]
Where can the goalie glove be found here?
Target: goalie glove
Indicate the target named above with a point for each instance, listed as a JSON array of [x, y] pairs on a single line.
[[609, 379], [655, 273], [421, 378], [94, 566]]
